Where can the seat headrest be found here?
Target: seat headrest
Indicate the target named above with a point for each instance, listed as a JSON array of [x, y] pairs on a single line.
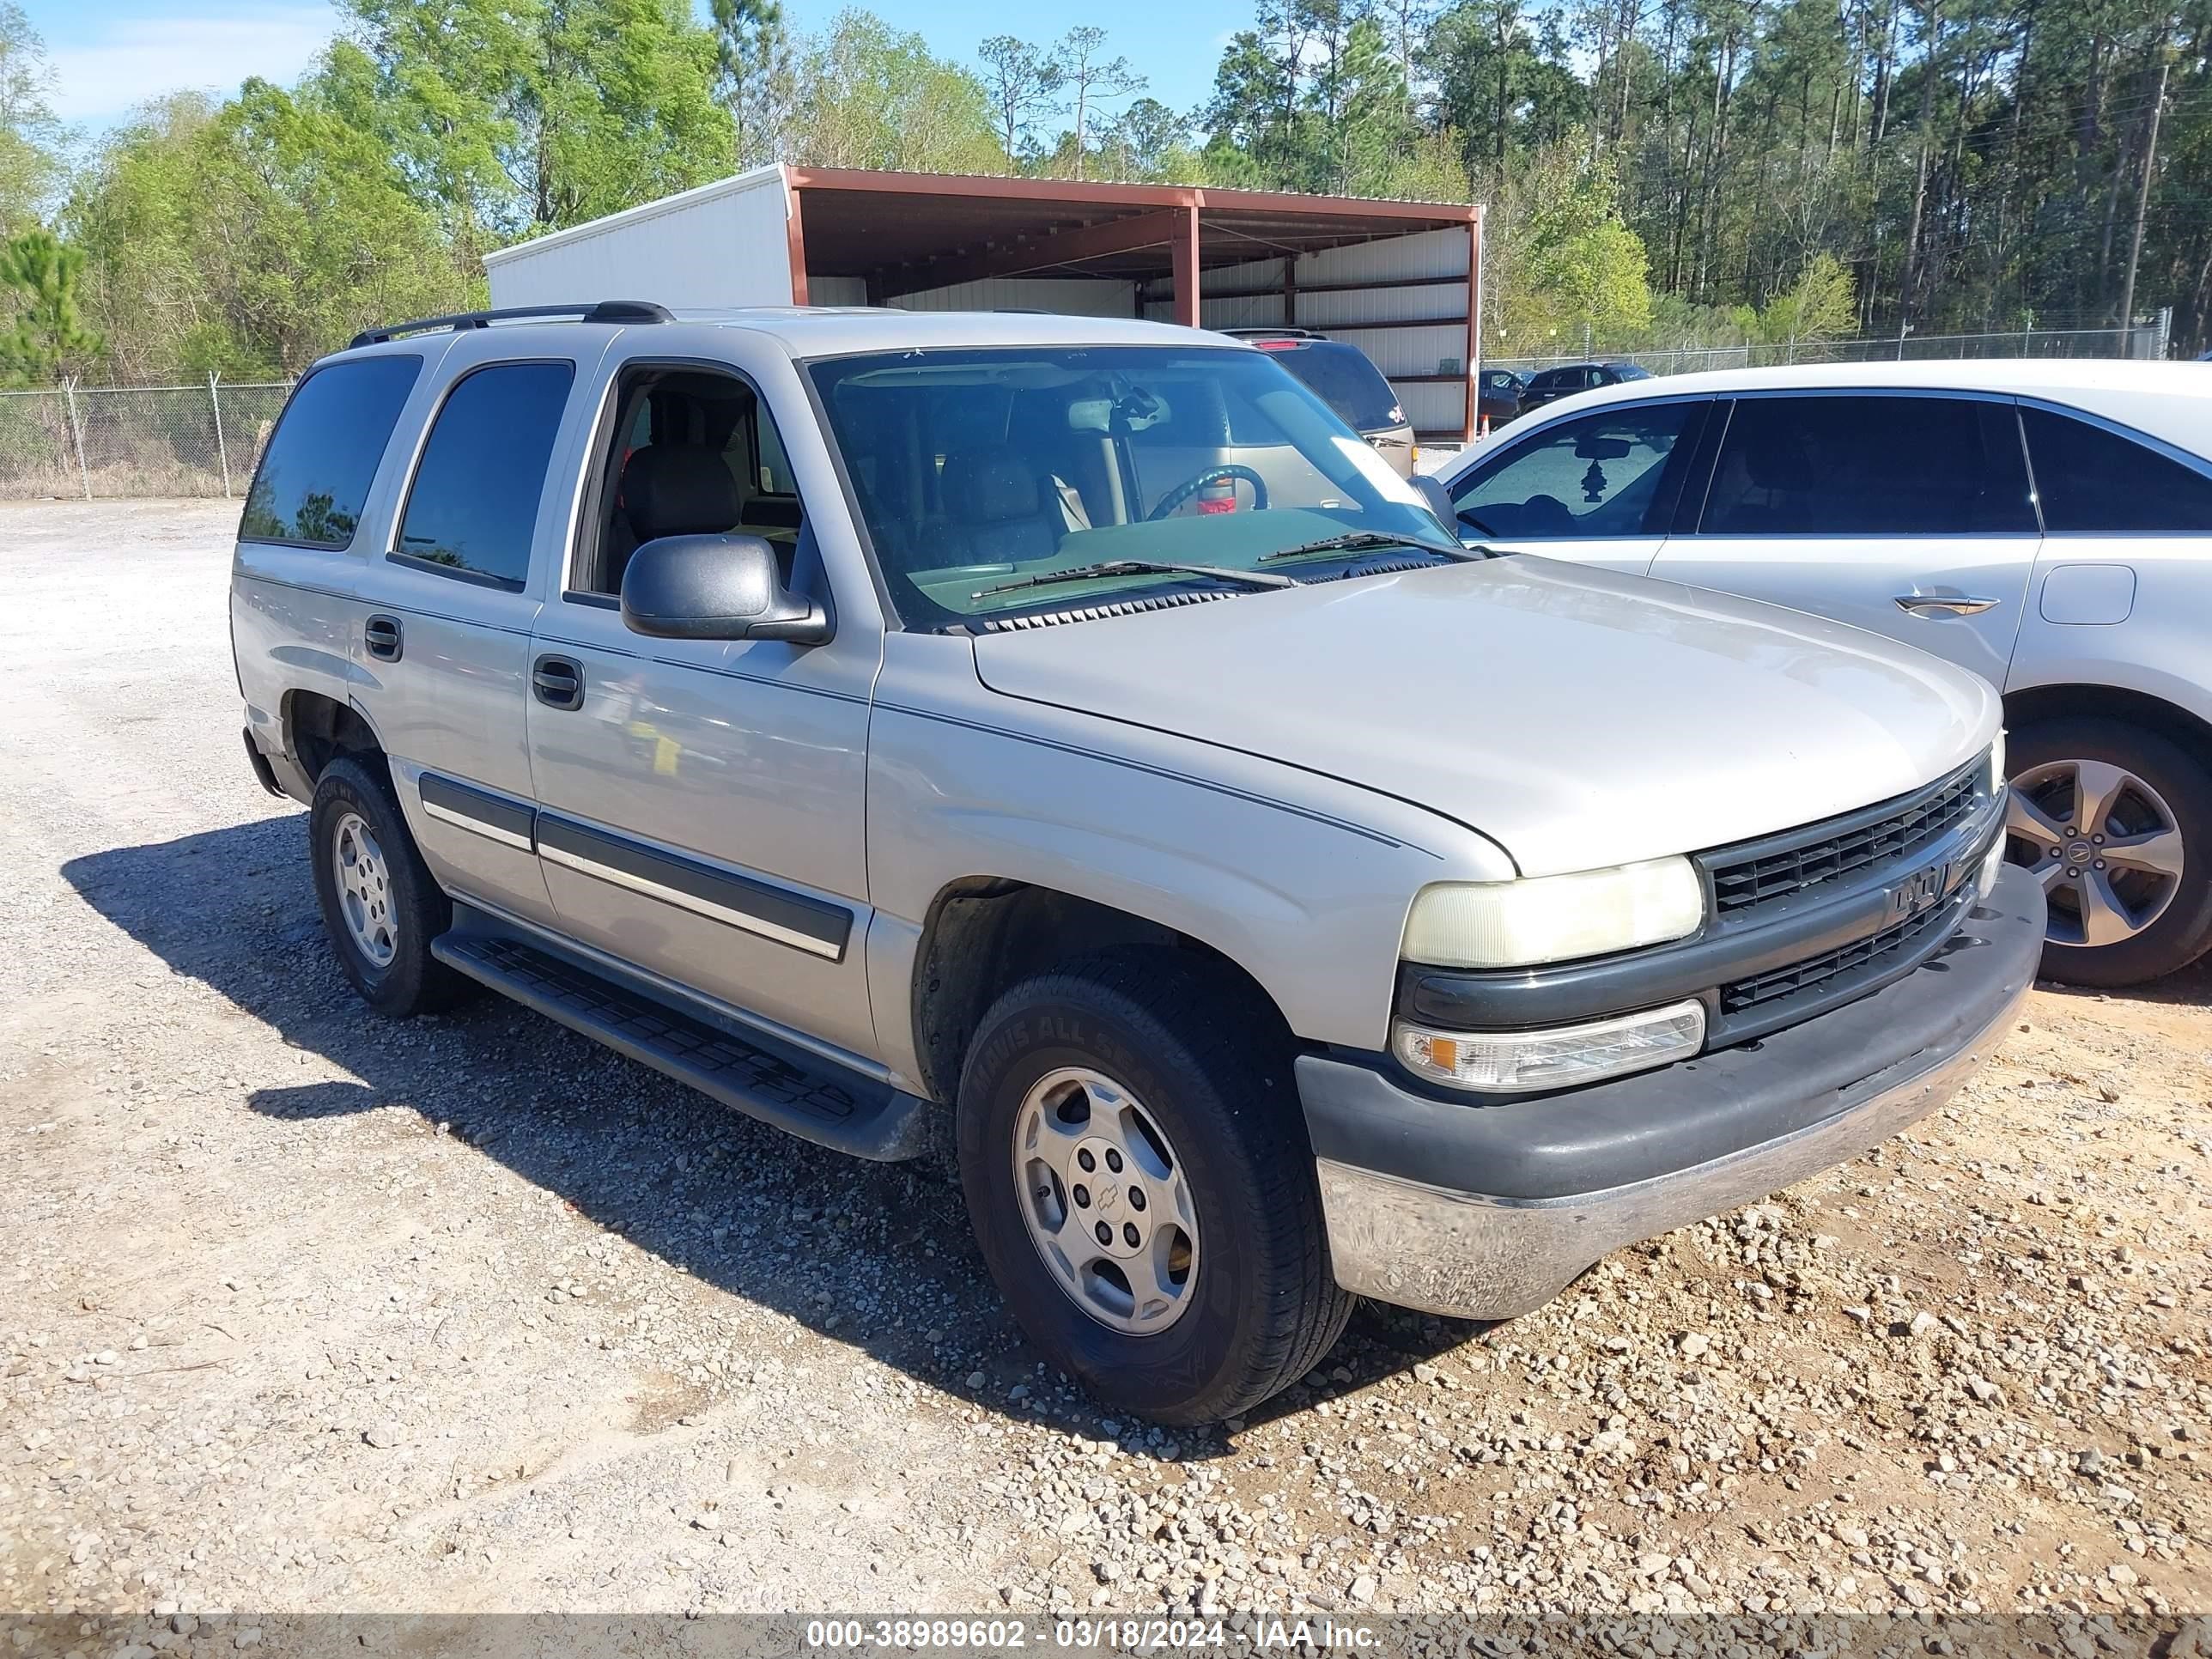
[[678, 490], [988, 484]]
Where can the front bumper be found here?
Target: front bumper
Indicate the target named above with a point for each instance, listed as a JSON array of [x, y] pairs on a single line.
[[1486, 1212]]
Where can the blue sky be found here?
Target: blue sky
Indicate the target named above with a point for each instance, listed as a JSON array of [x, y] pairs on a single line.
[[111, 56]]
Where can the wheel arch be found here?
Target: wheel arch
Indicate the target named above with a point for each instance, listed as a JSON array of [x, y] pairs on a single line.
[[2181, 727], [318, 728], [984, 933]]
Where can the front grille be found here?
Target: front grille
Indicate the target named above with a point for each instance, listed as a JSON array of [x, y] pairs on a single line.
[[1870, 953], [1766, 872]]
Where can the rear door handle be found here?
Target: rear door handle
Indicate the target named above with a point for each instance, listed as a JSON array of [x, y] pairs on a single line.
[[381, 635], [558, 682], [1947, 604]]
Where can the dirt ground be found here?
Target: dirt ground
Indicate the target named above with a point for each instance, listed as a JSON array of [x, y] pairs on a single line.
[[301, 1310]]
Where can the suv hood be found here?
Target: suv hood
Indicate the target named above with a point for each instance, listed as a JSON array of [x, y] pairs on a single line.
[[1578, 718]]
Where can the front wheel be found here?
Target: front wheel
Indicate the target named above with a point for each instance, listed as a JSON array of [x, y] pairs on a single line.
[[2116, 822], [1140, 1183]]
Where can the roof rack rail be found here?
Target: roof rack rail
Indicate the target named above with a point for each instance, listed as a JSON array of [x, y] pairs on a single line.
[[606, 311]]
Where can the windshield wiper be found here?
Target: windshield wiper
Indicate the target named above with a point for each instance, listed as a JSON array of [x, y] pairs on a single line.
[[1084, 573], [1358, 540]]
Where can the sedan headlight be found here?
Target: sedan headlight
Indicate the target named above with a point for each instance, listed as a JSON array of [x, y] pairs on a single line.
[[1560, 1058], [1591, 912]]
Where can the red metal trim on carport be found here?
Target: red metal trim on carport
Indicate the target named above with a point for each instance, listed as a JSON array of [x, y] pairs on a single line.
[[1184, 250]]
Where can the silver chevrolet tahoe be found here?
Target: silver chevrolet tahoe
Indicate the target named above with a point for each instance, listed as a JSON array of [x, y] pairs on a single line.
[[1071, 727]]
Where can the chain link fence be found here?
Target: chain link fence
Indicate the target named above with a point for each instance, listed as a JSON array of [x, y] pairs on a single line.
[[119, 442], [2146, 340]]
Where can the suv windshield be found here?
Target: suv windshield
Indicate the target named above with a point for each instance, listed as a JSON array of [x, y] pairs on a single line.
[[973, 468], [1347, 382]]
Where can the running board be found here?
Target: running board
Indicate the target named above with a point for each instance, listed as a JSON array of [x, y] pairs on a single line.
[[814, 1099]]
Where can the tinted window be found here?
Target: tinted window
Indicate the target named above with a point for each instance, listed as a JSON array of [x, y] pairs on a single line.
[[1347, 383], [694, 452], [1598, 475], [474, 506], [1869, 466], [316, 473], [2088, 479]]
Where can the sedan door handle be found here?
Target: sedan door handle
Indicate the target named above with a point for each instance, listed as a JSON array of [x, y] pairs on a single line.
[[1948, 604], [381, 635], [558, 682]]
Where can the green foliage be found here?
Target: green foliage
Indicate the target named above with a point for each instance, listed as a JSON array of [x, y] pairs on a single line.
[[869, 95], [40, 275], [1821, 304], [1566, 272], [250, 238], [1656, 171], [30, 161]]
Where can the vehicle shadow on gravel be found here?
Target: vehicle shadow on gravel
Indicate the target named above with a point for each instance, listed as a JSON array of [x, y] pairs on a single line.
[[878, 1255]]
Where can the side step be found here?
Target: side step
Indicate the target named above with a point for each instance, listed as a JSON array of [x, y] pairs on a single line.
[[813, 1098]]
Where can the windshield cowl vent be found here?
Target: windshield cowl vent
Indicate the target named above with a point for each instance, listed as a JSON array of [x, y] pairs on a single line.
[[1375, 568], [1092, 612]]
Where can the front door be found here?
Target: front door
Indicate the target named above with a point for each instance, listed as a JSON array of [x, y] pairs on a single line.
[[701, 801], [1598, 488], [1905, 514]]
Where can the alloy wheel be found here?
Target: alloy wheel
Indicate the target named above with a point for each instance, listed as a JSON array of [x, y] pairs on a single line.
[[2104, 843]]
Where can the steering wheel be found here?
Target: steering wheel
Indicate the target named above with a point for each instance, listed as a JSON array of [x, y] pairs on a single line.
[[1190, 487]]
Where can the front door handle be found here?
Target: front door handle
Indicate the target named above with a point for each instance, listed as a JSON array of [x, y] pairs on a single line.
[[558, 682], [1945, 604], [381, 635]]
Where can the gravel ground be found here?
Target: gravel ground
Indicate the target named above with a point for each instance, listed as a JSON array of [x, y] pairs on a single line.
[[301, 1310]]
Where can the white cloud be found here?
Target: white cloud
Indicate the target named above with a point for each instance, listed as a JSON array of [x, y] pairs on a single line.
[[131, 60]]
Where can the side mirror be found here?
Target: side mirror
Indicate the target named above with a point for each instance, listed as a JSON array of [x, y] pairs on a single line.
[[715, 588], [1437, 499]]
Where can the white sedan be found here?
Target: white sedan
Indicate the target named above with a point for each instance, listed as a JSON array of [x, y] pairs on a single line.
[[2046, 524]]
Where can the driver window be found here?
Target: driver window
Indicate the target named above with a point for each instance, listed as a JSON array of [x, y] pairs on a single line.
[[1598, 475], [691, 452]]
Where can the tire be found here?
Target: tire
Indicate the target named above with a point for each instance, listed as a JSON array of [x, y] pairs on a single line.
[[396, 975], [1208, 1072], [2152, 923]]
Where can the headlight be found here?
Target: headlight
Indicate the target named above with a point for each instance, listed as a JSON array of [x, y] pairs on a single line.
[[1561, 1058], [1513, 923], [1996, 764]]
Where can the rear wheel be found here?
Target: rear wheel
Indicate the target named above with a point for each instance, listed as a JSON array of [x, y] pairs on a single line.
[[380, 907], [1140, 1184], [2116, 822]]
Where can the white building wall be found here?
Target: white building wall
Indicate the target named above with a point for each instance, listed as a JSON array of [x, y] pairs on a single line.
[[1398, 352], [721, 244]]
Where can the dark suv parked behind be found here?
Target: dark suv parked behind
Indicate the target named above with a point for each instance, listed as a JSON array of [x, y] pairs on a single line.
[[1550, 385], [1343, 378]]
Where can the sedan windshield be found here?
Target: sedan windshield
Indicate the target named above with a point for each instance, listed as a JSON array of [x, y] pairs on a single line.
[[974, 469]]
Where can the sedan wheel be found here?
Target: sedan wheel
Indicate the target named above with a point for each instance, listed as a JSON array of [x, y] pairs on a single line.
[[2103, 841]]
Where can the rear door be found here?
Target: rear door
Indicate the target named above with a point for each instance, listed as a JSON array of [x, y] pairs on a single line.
[[1905, 512], [443, 651], [1598, 489]]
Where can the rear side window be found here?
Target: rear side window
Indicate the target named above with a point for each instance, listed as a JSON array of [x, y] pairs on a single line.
[[1869, 466], [321, 460], [1346, 382], [2090, 479], [473, 509]]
